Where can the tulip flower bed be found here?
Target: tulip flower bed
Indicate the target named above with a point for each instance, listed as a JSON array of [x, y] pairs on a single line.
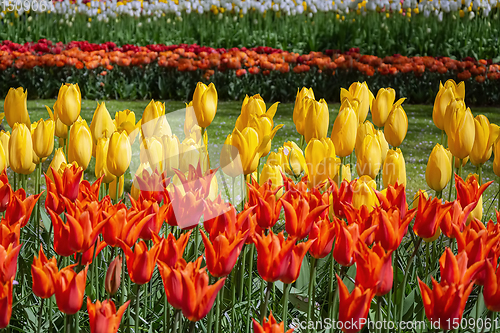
[[159, 71], [324, 228], [409, 28]]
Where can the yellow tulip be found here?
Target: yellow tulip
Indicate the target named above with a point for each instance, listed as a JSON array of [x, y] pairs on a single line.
[[250, 148], [458, 89], [346, 174], [363, 130], [359, 92], [394, 169], [125, 120], [382, 105], [4, 140], [68, 104], [444, 96], [191, 128], [230, 160], [112, 188], [292, 159], [364, 193], [21, 150], [299, 115], [460, 130], [485, 135], [15, 108], [205, 103], [119, 154], [134, 192], [316, 119], [170, 146], [396, 125], [384, 146], [101, 154], [272, 171], [43, 138], [80, 144], [264, 127], [369, 157], [496, 160], [457, 161], [60, 130], [191, 153], [254, 107], [344, 131], [151, 151], [438, 172], [56, 162], [102, 125], [152, 115], [321, 161]]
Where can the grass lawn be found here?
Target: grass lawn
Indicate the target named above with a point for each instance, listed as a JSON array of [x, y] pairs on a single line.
[[422, 134]]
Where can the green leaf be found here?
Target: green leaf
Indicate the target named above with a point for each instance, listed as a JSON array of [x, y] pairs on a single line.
[[45, 219]]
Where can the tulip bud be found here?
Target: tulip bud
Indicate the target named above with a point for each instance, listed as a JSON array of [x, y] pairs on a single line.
[[496, 160], [112, 188], [299, 115], [21, 150], [135, 192], [60, 130], [101, 154], [43, 138], [205, 103], [125, 121], [396, 125], [69, 103], [56, 162], [292, 159], [102, 125], [359, 92], [364, 193], [113, 276], [252, 107], [346, 174], [384, 146], [394, 168], [438, 172], [230, 160], [369, 157], [170, 146], [272, 171], [250, 148], [344, 131], [363, 130], [321, 161], [460, 131], [119, 154], [316, 119], [151, 123], [444, 96], [16, 110], [3, 159], [151, 152], [485, 135], [80, 144], [382, 105], [4, 141]]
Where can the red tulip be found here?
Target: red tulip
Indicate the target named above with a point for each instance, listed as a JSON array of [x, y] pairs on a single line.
[[456, 218], [103, 317], [196, 180], [391, 227], [491, 292], [270, 325], [141, 262], [185, 210], [266, 207], [469, 191], [91, 253], [70, 288], [172, 249], [299, 217], [221, 253], [43, 272], [394, 196], [340, 197], [155, 222], [5, 302], [8, 262], [9, 234], [152, 186], [20, 207], [5, 191], [324, 232], [374, 268], [430, 213], [347, 238], [172, 279], [353, 307], [68, 184]]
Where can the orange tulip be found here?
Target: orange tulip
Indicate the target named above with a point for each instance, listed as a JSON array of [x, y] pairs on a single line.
[[340, 196], [103, 317], [8, 262], [9, 234], [430, 213], [347, 237], [391, 227], [5, 302], [70, 288], [455, 220], [324, 232], [5, 191], [185, 209], [299, 216], [113, 276], [222, 252], [267, 208], [279, 259], [469, 192], [67, 184], [374, 268], [43, 272], [491, 290], [141, 262], [353, 307], [20, 207], [172, 249], [270, 325], [157, 213], [172, 280]]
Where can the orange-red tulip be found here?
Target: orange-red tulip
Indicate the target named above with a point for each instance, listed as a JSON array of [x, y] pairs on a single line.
[[267, 208], [8, 262], [491, 290], [20, 207], [172, 249], [324, 232], [185, 209], [5, 302], [299, 217], [392, 227], [141, 262], [430, 213], [9, 234], [70, 288], [113, 276], [222, 252], [270, 325], [43, 272], [103, 317], [353, 307], [374, 268]]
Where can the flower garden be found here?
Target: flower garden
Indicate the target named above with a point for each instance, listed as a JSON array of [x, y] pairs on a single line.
[[246, 166]]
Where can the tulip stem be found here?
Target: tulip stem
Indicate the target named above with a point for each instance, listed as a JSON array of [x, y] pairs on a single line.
[[117, 189], [176, 319], [210, 314], [137, 301], [340, 171], [378, 315], [40, 312], [285, 303], [192, 326], [480, 172], [263, 309], [478, 308], [242, 271], [217, 312], [233, 299], [166, 309], [452, 177], [196, 240], [77, 322], [312, 280], [403, 285], [249, 286], [66, 143]]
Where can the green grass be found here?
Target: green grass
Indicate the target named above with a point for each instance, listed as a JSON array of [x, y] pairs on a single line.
[[421, 137]]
